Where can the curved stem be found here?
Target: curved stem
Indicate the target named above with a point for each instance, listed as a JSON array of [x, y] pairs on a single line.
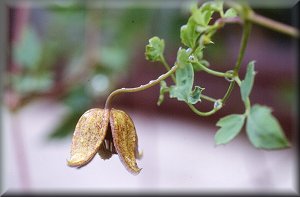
[[196, 111], [140, 88], [208, 98], [245, 37], [215, 73], [167, 66], [228, 92]]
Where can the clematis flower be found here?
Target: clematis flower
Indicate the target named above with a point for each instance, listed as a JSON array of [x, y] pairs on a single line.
[[93, 134]]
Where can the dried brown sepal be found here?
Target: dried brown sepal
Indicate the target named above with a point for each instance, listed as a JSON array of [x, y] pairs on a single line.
[[89, 133], [125, 139]]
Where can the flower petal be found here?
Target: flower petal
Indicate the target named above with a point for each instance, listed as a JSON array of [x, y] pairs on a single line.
[[89, 133], [125, 139]]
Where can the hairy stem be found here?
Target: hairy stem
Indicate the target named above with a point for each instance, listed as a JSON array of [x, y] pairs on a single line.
[[140, 88]]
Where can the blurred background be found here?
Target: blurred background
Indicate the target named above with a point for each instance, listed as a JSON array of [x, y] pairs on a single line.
[[62, 58]]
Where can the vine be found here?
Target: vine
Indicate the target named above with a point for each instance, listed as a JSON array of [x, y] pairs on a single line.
[[262, 128]]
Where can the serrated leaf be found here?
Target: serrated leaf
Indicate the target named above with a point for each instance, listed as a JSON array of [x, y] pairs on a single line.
[[194, 96], [155, 49], [247, 83], [89, 133], [264, 130], [230, 127], [184, 80], [202, 17], [125, 139], [230, 13], [163, 89], [189, 34]]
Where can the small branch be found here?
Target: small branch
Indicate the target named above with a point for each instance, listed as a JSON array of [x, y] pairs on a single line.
[[222, 21], [274, 25], [167, 66], [208, 98], [245, 37], [263, 21], [228, 92], [215, 73], [140, 88]]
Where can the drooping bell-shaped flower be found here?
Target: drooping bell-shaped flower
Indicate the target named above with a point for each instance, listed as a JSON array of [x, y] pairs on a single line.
[[106, 132]]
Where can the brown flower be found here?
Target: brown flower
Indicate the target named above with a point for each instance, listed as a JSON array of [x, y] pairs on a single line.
[[93, 134]]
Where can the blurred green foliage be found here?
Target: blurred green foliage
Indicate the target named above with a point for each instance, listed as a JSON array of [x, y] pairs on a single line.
[[75, 53]]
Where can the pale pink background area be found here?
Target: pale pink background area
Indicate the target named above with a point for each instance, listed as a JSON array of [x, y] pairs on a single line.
[[178, 156]]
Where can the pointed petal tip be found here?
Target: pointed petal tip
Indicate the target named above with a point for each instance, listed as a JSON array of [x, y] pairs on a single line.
[[135, 171], [139, 155], [75, 161]]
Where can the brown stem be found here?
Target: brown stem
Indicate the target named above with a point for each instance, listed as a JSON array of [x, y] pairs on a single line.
[[274, 25]]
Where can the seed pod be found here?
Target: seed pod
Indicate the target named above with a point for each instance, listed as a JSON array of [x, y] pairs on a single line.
[[89, 133], [125, 139]]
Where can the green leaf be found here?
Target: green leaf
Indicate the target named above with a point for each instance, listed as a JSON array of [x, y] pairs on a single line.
[[184, 80], [202, 17], [194, 95], [66, 126], [28, 50], [230, 13], [189, 34], [264, 130], [212, 6], [230, 127], [155, 49], [113, 57], [163, 89], [247, 83], [77, 99], [40, 82], [199, 52]]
